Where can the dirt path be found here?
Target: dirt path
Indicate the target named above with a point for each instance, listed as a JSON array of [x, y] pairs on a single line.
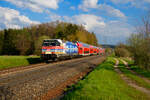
[[144, 78], [129, 81]]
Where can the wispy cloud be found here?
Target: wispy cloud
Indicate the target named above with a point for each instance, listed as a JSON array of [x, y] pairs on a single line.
[[113, 30], [10, 18], [86, 5], [111, 11], [133, 3], [36, 5], [90, 22], [72, 8]]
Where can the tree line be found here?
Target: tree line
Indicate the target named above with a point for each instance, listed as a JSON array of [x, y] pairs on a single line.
[[138, 45], [28, 40]]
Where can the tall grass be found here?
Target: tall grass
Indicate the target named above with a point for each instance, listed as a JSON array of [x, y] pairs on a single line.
[[134, 77], [104, 84], [137, 69]]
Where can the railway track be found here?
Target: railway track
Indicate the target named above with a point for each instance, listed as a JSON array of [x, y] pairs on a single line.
[[17, 69], [34, 81]]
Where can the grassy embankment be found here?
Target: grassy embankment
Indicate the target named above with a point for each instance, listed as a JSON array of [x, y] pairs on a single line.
[[137, 69], [134, 77], [16, 61], [104, 84]]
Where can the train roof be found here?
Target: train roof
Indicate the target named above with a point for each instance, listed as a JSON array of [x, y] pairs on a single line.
[[83, 44], [78, 42], [48, 40]]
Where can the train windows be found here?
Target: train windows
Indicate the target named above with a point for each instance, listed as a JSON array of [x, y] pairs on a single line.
[[51, 43], [86, 51]]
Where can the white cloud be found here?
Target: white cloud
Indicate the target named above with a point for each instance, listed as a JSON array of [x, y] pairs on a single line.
[[111, 11], [116, 28], [90, 22], [112, 32], [148, 1], [133, 3], [99, 26], [88, 4], [72, 8], [10, 18], [55, 17], [121, 1], [36, 5]]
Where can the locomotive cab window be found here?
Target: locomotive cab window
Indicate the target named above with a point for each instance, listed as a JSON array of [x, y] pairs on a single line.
[[51, 43]]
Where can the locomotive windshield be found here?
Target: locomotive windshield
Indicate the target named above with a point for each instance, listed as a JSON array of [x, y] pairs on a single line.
[[51, 43]]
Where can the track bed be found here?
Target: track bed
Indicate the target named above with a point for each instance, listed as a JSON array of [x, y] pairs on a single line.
[[32, 83]]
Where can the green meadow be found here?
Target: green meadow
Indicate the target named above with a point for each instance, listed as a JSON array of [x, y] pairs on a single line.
[[17, 61], [103, 84]]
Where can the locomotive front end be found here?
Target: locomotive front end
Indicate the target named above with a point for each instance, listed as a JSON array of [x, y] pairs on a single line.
[[52, 49]]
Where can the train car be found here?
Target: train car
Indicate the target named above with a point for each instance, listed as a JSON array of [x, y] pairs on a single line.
[[101, 51], [83, 49], [91, 50], [56, 48], [98, 51], [95, 50], [71, 49]]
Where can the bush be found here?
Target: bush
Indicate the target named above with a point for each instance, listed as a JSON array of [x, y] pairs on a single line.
[[108, 51], [140, 49], [122, 52], [38, 45]]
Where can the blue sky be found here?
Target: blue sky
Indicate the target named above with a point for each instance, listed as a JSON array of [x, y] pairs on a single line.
[[112, 21]]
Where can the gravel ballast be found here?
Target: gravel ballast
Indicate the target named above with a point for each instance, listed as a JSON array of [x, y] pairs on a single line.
[[35, 82]]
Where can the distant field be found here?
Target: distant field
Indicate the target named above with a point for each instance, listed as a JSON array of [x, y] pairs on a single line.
[[16, 61], [104, 84]]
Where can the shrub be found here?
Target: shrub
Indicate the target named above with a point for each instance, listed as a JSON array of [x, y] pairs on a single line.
[[122, 52], [38, 45]]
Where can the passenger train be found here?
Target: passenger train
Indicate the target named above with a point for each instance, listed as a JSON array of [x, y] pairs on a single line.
[[56, 48]]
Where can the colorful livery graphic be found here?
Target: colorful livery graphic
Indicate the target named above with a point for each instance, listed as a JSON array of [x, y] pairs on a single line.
[[57, 48]]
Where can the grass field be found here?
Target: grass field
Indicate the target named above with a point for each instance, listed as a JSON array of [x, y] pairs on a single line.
[[134, 77], [15, 61], [104, 84], [145, 73]]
